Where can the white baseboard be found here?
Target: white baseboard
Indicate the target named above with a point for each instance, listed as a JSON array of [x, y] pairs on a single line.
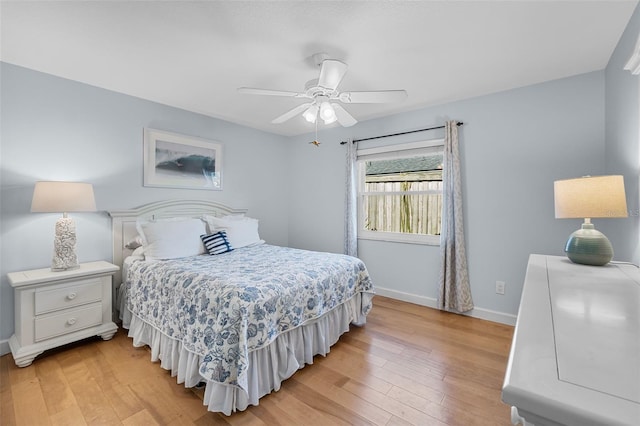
[[408, 297], [485, 314], [4, 347]]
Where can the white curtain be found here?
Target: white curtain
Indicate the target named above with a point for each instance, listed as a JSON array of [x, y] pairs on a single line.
[[455, 291], [351, 202]]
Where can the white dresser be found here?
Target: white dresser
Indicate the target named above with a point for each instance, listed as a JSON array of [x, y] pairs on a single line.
[[56, 308], [575, 356]]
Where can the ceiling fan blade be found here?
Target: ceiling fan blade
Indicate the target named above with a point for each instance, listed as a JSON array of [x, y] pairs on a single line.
[[344, 118], [291, 113], [269, 92], [331, 73], [375, 97]]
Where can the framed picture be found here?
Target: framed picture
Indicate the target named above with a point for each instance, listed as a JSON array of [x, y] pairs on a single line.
[[178, 161]]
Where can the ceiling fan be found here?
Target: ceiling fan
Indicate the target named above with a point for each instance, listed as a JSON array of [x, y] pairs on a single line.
[[324, 97]]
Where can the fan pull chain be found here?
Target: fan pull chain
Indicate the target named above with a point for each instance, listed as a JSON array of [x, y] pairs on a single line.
[[316, 142]]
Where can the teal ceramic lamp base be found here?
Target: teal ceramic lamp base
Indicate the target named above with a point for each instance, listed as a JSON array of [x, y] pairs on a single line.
[[589, 246]]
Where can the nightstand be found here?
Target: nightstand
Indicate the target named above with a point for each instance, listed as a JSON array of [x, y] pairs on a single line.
[[56, 308]]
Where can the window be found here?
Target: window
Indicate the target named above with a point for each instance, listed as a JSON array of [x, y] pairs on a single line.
[[400, 192]]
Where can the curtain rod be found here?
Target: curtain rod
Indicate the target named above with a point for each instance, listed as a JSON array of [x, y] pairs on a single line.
[[459, 123]]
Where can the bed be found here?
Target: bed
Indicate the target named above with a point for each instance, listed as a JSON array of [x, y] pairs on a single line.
[[239, 321]]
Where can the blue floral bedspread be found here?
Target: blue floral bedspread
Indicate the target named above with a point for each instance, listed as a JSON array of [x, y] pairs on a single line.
[[223, 307]]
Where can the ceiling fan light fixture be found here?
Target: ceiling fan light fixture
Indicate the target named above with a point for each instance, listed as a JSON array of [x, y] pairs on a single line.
[[311, 113], [330, 120], [324, 97], [327, 113]]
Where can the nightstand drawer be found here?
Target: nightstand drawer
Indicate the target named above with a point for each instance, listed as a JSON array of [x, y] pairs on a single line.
[[48, 326], [80, 293]]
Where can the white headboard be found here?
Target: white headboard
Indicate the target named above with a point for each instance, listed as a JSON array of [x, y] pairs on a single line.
[[124, 221]]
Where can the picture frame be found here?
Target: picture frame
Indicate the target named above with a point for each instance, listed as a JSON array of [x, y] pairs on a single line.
[[173, 160]]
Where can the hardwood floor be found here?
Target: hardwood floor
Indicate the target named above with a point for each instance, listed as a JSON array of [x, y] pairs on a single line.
[[409, 365]]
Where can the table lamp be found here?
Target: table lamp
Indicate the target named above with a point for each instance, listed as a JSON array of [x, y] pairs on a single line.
[[63, 197], [590, 197]]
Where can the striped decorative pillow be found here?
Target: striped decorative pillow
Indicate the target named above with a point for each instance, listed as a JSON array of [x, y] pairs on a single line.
[[216, 243]]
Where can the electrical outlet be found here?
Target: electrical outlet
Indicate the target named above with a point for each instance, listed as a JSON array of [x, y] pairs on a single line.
[[500, 287]]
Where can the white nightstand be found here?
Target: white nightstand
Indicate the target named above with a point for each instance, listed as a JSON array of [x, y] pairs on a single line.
[[56, 308]]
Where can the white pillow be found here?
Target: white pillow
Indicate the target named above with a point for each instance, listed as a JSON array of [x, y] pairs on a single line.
[[135, 243], [138, 252], [172, 238], [241, 231]]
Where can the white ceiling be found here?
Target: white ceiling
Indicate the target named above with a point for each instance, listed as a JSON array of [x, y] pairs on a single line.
[[194, 55]]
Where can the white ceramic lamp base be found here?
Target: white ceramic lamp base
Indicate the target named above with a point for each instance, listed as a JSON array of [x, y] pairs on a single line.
[[64, 245]]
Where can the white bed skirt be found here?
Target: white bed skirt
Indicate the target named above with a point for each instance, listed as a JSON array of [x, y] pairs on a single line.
[[268, 366]]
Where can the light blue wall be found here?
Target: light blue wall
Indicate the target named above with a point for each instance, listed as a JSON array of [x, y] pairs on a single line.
[[57, 129], [623, 141], [514, 144]]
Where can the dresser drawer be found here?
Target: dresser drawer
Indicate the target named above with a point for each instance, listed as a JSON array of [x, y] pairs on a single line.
[[62, 297], [68, 321]]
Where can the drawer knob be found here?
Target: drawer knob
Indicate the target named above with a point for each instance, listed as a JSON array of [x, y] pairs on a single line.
[[71, 295], [71, 321]]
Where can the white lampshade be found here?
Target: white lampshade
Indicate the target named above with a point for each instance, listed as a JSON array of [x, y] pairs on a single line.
[[62, 197], [591, 196], [586, 198]]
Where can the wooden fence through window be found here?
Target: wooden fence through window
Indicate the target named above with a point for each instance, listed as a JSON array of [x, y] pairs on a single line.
[[403, 206]]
